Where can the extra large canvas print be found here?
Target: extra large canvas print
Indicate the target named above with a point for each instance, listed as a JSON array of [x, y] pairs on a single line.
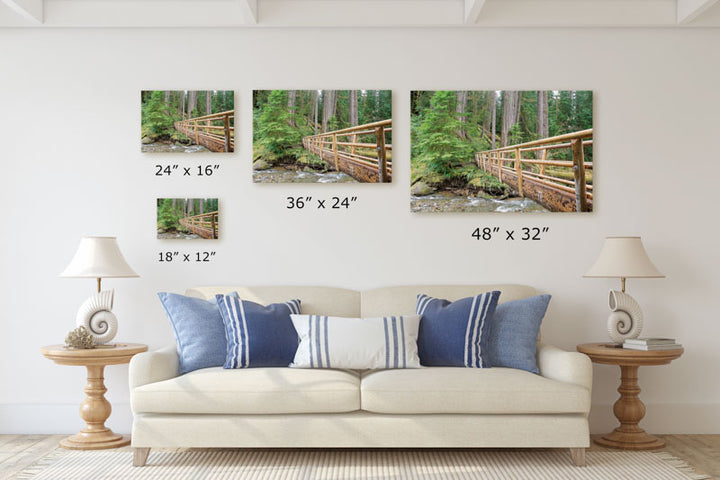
[[187, 218], [502, 151], [187, 121], [322, 136]]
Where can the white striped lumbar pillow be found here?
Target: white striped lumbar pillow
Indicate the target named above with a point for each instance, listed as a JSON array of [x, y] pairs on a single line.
[[356, 343]]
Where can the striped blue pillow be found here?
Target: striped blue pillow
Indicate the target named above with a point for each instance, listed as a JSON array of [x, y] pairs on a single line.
[[454, 334], [257, 335], [356, 343]]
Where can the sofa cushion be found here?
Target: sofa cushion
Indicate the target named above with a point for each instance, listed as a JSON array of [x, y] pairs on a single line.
[[358, 343], [454, 334], [469, 390], [251, 391]]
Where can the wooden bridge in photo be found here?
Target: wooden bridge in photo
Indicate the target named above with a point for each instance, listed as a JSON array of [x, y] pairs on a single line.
[[558, 185], [361, 151], [216, 132], [204, 225]]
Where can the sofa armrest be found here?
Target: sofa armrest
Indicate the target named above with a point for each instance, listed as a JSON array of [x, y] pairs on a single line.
[[569, 367], [151, 367]]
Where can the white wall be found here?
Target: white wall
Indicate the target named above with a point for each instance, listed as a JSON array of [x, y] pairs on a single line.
[[70, 165]]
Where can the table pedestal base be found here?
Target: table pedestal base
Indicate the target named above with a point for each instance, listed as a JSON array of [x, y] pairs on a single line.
[[83, 441], [95, 409], [629, 410], [630, 441]]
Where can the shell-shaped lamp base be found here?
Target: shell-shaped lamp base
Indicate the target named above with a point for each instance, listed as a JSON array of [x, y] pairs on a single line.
[[96, 315]]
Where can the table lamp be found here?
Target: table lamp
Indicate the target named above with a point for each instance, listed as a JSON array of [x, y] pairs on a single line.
[[623, 257], [98, 257]]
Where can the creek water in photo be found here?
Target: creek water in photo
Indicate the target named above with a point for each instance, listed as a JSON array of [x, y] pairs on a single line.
[[448, 202]]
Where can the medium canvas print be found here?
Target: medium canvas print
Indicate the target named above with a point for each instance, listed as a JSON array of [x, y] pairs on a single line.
[[322, 136], [502, 151], [187, 121], [187, 218]]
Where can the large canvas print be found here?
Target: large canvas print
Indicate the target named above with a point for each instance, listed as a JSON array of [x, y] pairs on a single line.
[[502, 151], [187, 218], [322, 136], [187, 121]]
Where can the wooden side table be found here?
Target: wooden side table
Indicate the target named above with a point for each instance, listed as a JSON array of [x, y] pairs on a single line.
[[95, 409], [629, 410]]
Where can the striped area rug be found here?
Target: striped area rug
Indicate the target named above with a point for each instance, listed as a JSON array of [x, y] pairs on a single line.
[[357, 464]]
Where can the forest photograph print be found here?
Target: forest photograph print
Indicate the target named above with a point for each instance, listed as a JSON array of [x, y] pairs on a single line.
[[501, 151], [187, 218], [187, 121], [322, 136]]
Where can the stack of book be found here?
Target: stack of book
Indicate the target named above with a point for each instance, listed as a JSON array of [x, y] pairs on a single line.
[[651, 344]]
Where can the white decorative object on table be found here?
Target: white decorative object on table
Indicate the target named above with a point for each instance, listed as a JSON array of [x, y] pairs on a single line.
[[96, 315], [626, 319], [99, 257], [623, 257]]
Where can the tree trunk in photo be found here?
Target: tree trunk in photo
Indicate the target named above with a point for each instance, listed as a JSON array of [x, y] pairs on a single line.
[[202, 206], [510, 114], [292, 97], [494, 118], [354, 122], [192, 102], [316, 103], [543, 129], [167, 102], [460, 106], [208, 104], [329, 98], [182, 105]]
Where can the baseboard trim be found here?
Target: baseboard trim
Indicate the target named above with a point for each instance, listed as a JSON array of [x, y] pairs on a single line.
[[664, 418], [51, 418]]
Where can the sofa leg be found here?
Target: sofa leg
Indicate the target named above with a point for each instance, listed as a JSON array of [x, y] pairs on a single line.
[[140, 456], [578, 456]]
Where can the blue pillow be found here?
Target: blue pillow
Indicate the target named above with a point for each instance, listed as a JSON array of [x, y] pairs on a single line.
[[258, 336], [199, 331], [513, 333], [455, 334]]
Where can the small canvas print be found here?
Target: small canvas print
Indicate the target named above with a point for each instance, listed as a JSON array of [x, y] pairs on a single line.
[[322, 136], [502, 151], [187, 121], [187, 218]]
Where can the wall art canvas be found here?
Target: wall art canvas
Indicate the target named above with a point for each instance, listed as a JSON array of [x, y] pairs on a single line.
[[187, 121], [187, 218], [322, 136], [502, 151]]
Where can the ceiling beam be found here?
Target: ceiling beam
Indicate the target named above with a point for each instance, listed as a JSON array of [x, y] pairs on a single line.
[[472, 10], [29, 9], [689, 10], [249, 7]]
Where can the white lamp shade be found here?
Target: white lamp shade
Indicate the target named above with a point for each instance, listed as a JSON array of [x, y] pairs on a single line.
[[98, 257], [623, 257]]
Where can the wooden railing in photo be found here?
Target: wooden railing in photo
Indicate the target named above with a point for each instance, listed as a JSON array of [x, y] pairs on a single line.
[[558, 185], [215, 132], [366, 161], [205, 225]]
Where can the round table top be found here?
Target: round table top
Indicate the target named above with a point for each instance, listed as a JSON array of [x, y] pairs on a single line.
[[612, 354], [112, 354]]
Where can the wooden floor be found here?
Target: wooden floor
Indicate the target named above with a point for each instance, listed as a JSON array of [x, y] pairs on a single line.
[[20, 451]]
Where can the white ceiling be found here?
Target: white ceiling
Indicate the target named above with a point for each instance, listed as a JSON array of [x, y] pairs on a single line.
[[359, 13]]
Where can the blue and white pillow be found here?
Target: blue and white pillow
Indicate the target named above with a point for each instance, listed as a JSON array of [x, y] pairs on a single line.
[[257, 335], [356, 343], [454, 334]]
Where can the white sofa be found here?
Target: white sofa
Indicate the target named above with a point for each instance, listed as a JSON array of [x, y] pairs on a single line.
[[434, 407]]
